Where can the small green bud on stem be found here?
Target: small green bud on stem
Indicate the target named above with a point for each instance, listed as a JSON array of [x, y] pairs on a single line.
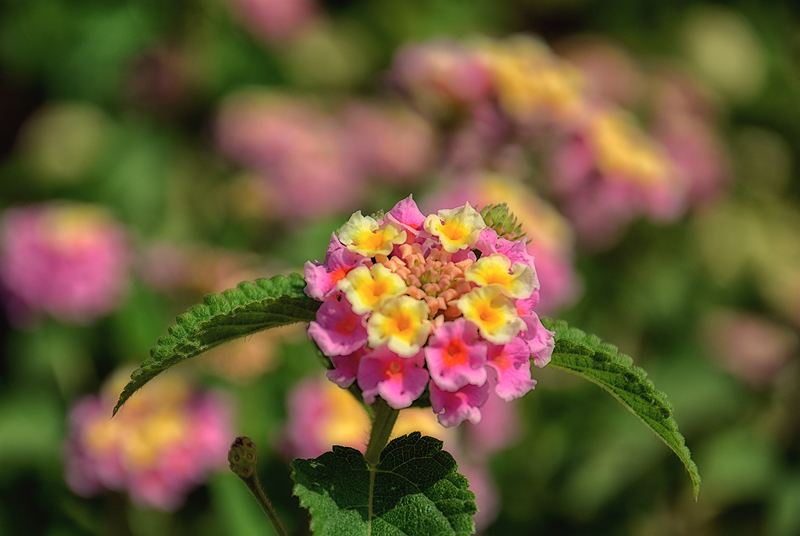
[[243, 457], [242, 460]]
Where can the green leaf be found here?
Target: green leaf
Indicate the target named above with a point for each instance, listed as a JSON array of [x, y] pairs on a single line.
[[601, 363], [414, 490], [249, 308]]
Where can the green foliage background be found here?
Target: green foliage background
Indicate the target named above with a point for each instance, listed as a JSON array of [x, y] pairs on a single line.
[[581, 465]]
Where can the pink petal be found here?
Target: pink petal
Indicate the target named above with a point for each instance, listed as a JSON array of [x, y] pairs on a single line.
[[407, 215], [512, 367], [345, 368], [540, 340], [453, 408], [337, 330], [455, 356], [398, 380]]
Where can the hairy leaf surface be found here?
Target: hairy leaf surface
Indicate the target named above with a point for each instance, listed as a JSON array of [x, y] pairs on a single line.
[[601, 363], [249, 308], [414, 491]]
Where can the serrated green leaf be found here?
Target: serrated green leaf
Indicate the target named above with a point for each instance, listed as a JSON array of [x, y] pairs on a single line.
[[601, 363], [249, 308], [414, 490]]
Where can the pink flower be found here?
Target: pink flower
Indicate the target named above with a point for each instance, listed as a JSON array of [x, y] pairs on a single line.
[[276, 21], [297, 152], [512, 366], [442, 77], [608, 172], [320, 415], [322, 279], [490, 243], [160, 445], [392, 144], [539, 339], [337, 330], [455, 357], [67, 260], [432, 291], [500, 427], [408, 216], [398, 380], [453, 408], [345, 368]]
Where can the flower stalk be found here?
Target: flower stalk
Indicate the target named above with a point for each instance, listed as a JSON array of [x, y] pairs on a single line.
[[242, 459], [383, 419]]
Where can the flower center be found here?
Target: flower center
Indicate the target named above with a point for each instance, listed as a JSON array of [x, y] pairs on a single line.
[[501, 360], [489, 316], [453, 231], [347, 325], [400, 324], [455, 354], [393, 369], [338, 274]]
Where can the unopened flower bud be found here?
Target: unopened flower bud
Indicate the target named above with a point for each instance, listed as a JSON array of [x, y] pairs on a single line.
[[243, 457]]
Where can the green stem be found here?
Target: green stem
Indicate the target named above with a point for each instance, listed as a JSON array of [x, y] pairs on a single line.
[[254, 485], [383, 419], [243, 461]]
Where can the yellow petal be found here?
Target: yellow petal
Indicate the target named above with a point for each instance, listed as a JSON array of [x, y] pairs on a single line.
[[402, 324], [457, 228], [493, 313], [363, 234], [367, 288], [517, 281]]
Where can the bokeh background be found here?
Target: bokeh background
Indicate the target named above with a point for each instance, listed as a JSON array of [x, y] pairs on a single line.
[[153, 152]]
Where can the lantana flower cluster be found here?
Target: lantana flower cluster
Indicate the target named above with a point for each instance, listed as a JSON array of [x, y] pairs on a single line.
[[441, 304], [604, 166], [165, 442], [67, 260]]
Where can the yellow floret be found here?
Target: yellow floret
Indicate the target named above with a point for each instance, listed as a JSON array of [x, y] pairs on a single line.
[[624, 149], [493, 313], [457, 228], [367, 288], [517, 281], [402, 324], [363, 234]]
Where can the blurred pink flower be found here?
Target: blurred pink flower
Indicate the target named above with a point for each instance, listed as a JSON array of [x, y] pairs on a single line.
[[300, 155], [681, 109], [67, 260], [441, 77], [389, 143], [276, 21], [684, 121], [498, 429], [321, 415], [749, 346], [611, 74], [161, 444], [608, 172]]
